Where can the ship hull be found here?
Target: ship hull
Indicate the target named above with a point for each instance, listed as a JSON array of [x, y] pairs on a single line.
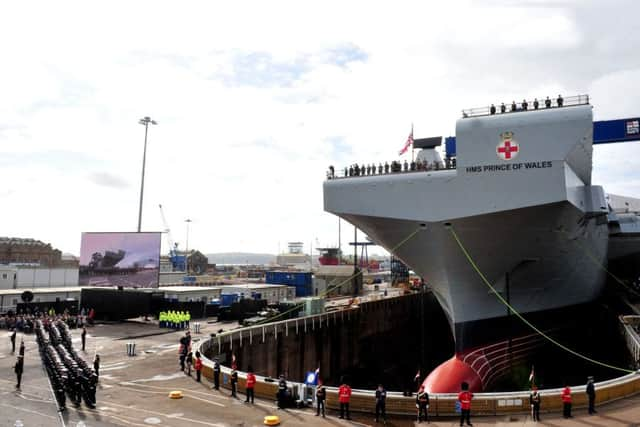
[[544, 260], [539, 258]]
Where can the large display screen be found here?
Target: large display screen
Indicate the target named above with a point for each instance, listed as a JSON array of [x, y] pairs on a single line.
[[130, 260]]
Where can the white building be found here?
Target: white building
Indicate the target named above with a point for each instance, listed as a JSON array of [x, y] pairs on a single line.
[[8, 277]]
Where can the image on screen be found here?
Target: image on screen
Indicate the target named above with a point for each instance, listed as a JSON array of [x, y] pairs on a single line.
[[130, 260]]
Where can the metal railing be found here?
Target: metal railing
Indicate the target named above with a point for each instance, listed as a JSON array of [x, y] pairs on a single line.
[[526, 105], [630, 328], [387, 168]]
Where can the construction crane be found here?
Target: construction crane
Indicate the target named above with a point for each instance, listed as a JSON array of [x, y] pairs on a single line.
[[177, 261]]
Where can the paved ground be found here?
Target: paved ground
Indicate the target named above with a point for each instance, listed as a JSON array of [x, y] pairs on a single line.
[[134, 391]]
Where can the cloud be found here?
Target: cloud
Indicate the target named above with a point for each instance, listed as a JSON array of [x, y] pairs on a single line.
[[253, 107], [105, 179]]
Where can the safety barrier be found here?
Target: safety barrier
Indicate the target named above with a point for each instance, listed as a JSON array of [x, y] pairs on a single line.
[[196, 327], [442, 404], [131, 349], [629, 325]]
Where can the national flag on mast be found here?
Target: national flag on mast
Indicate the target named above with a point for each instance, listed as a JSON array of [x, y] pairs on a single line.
[[531, 375], [408, 143]]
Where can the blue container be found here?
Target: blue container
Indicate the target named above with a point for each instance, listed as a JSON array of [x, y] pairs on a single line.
[[304, 290], [289, 278], [227, 299]]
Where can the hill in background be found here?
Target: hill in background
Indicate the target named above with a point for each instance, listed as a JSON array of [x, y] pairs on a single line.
[[240, 258]]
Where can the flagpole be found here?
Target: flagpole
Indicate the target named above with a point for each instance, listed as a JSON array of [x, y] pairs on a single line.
[[412, 143]]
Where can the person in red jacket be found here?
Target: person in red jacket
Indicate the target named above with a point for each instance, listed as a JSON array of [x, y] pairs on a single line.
[[344, 395], [566, 402], [198, 366], [251, 383], [464, 397]]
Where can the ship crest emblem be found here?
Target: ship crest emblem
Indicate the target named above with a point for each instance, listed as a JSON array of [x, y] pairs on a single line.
[[508, 148]]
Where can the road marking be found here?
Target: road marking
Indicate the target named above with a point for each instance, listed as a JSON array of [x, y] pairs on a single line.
[[161, 377], [28, 410], [216, 396], [166, 392], [165, 415], [176, 415]]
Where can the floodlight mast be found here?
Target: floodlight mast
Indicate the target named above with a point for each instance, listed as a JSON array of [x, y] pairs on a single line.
[[143, 121]]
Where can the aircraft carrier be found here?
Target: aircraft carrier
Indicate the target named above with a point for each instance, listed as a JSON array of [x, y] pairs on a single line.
[[518, 195]]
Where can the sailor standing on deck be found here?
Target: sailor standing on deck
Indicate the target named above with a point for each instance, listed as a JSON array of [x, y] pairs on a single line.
[[96, 366], [83, 335], [19, 369], [282, 392], [216, 374], [422, 403], [234, 383], [591, 393], [13, 341], [381, 400], [534, 401], [321, 395]]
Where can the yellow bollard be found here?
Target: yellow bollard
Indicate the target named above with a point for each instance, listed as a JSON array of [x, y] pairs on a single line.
[[271, 420]]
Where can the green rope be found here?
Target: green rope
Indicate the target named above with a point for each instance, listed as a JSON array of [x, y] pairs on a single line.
[[328, 290], [525, 321]]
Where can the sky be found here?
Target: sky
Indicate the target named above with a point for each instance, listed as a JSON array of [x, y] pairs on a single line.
[[254, 100]]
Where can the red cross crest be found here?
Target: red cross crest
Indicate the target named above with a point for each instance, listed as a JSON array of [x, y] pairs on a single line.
[[507, 149]]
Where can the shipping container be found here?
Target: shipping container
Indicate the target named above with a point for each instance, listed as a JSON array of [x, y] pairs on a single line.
[[227, 299], [290, 278]]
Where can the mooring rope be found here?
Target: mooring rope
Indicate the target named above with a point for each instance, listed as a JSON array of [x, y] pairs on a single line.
[[525, 321]]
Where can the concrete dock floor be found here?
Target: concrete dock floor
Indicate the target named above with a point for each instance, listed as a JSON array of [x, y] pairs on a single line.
[[133, 391]]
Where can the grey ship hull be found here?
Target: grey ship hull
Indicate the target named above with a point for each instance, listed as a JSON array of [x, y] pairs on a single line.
[[552, 255]]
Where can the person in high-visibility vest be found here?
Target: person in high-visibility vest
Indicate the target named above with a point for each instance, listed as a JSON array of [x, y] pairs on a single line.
[[344, 396], [566, 402], [464, 397], [161, 319]]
